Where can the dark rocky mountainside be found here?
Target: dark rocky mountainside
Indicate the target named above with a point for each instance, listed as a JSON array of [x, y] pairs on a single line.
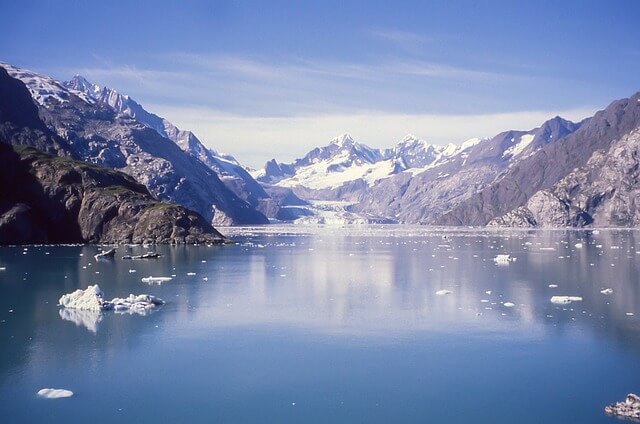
[[52, 199], [93, 131]]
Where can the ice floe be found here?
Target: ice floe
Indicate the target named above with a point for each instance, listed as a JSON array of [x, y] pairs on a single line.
[[509, 304], [54, 393], [503, 259], [565, 299], [92, 299], [443, 292], [606, 291], [629, 408], [106, 254], [156, 280]]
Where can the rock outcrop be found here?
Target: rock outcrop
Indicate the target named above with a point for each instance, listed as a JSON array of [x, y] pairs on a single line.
[[602, 193], [52, 199]]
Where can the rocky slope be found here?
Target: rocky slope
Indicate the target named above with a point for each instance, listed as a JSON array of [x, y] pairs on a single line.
[[52, 199], [547, 166], [95, 129], [602, 193], [226, 167], [412, 182]]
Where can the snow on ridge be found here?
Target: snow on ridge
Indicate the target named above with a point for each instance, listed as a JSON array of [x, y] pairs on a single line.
[[44, 89], [519, 145]]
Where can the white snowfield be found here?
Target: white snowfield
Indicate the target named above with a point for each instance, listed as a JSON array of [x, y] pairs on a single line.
[[92, 299], [48, 393], [353, 161]]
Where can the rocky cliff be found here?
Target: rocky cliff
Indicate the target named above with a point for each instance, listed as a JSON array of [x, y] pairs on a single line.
[[52, 199]]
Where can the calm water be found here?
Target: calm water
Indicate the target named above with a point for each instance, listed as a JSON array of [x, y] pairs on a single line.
[[329, 325]]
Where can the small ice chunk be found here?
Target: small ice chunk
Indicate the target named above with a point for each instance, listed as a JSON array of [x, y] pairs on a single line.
[[191, 273], [443, 292], [553, 286], [488, 292], [54, 393], [509, 305], [563, 300], [606, 291], [503, 259], [156, 280], [578, 245]]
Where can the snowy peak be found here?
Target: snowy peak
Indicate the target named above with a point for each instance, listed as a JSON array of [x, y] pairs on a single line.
[[46, 91], [343, 139], [81, 84]]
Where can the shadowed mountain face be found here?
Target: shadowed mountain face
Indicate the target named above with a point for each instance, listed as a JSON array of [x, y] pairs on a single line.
[[96, 132], [55, 199], [52, 199]]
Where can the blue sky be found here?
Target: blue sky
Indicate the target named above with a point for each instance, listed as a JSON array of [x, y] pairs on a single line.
[[272, 79]]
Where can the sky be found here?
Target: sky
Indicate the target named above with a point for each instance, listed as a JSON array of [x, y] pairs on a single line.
[[264, 79]]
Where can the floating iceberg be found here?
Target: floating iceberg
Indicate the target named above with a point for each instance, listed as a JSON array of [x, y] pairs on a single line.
[[55, 393], [503, 259], [629, 408], [156, 280], [92, 299], [106, 254], [606, 291], [443, 292], [562, 300], [509, 304]]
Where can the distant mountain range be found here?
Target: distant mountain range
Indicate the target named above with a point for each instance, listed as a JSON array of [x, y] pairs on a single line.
[[558, 174]]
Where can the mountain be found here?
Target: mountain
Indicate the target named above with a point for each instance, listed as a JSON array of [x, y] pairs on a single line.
[[51, 198], [94, 128], [426, 194], [226, 167], [543, 169], [411, 182]]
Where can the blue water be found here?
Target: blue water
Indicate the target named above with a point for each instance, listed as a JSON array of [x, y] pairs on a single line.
[[329, 325]]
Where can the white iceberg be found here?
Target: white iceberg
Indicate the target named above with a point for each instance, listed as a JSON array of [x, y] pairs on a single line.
[[54, 393], [629, 408], [606, 291], [503, 259], [509, 304], [92, 299], [562, 300], [156, 280], [443, 292]]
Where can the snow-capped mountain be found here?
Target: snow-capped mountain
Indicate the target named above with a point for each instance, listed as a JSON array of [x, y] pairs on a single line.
[[101, 126], [232, 174], [413, 181], [345, 161]]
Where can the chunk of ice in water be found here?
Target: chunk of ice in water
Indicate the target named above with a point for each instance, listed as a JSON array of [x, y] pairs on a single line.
[[443, 292], [55, 393], [562, 300], [509, 305], [606, 291]]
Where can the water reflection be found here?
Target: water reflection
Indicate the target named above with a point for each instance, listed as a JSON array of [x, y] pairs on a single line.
[[348, 288]]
